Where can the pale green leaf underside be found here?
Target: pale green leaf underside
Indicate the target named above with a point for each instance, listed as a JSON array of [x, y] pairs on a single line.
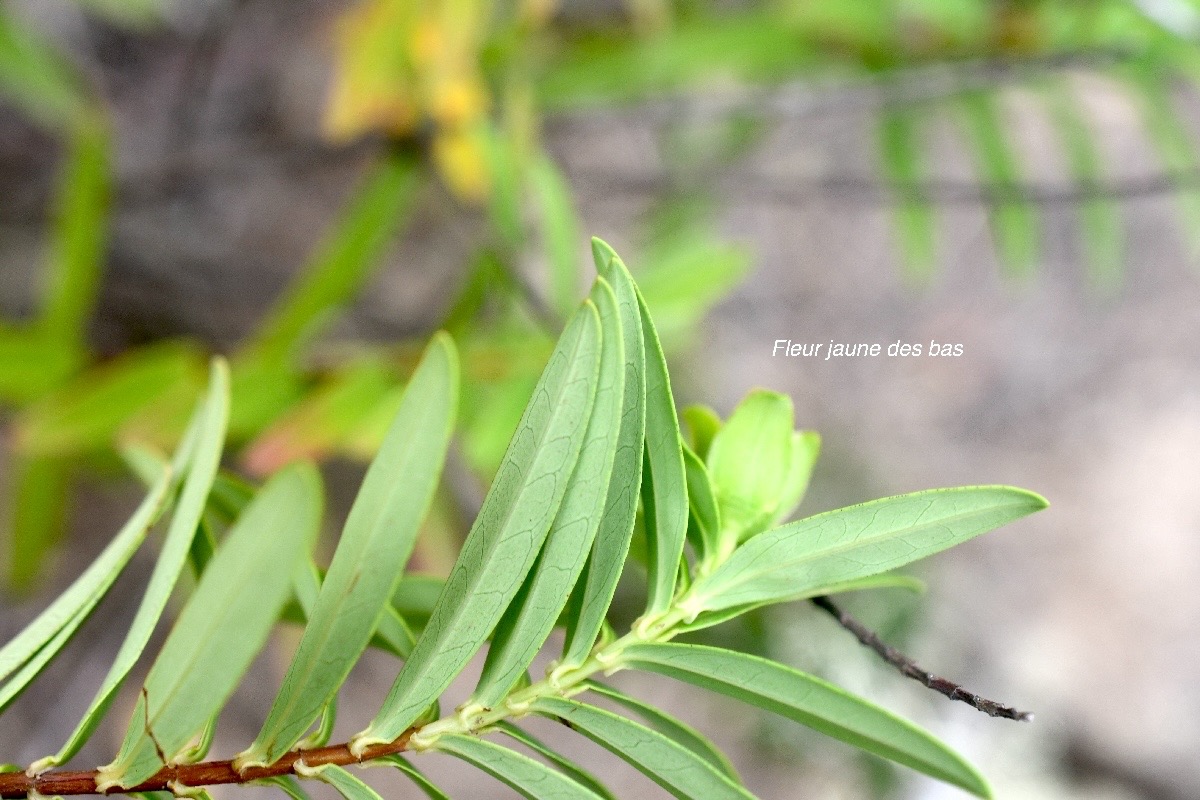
[[507, 534], [809, 701], [674, 729], [706, 515], [199, 458], [529, 619], [564, 764], [594, 593], [532, 779], [416, 776], [376, 543], [668, 763], [347, 785], [857, 542], [223, 625]]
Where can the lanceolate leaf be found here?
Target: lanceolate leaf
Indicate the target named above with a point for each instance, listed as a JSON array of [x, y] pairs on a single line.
[[205, 439], [809, 701], [530, 618], [594, 592], [664, 484], [674, 729], [507, 534], [668, 763], [375, 545], [58, 622], [532, 779], [856, 542], [416, 776], [222, 626], [565, 765]]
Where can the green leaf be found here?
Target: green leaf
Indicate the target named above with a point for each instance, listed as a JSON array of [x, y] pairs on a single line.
[[809, 701], [40, 490], [565, 765], [903, 165], [205, 447], [1014, 222], [508, 533], [78, 246], [529, 619], [530, 778], [416, 597], [560, 232], [703, 424], [668, 763], [345, 260], [749, 462], [705, 525], [594, 592], [340, 779], [223, 625], [416, 776], [677, 305], [676, 730], [41, 640], [664, 482], [31, 365], [810, 555], [375, 545], [504, 202], [286, 784]]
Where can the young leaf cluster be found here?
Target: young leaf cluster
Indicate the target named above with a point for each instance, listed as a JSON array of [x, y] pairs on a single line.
[[598, 448]]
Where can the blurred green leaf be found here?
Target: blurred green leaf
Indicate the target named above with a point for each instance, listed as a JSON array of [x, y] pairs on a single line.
[[37, 79], [79, 238], [340, 779], [1099, 216], [903, 165], [344, 261], [40, 489], [1014, 222], [560, 232], [69, 610]]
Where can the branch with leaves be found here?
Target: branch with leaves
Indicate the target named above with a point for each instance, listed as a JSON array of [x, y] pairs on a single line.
[[599, 440]]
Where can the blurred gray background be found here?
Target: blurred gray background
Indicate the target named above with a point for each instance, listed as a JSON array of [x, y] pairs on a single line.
[[1087, 614]]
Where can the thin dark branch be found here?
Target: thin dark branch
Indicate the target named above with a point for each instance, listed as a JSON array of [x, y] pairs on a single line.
[[909, 668]]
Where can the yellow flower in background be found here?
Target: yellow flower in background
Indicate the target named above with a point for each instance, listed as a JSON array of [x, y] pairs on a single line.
[[400, 65]]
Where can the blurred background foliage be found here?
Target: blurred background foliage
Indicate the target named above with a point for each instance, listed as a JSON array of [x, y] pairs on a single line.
[[445, 103]]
